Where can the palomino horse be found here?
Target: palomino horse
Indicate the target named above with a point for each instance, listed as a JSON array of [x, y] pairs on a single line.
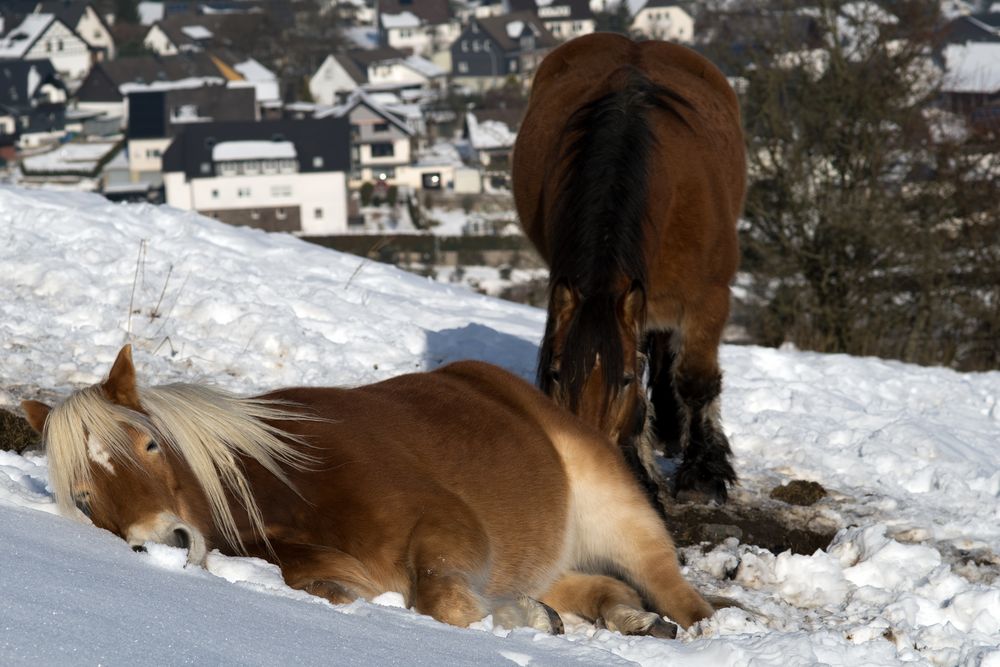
[[464, 489], [629, 177]]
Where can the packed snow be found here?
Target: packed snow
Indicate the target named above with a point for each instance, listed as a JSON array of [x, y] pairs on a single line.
[[909, 455]]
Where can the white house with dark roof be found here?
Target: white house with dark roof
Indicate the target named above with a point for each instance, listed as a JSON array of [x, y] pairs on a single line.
[[288, 176], [381, 142], [45, 37], [341, 74], [661, 19], [86, 21], [567, 19], [420, 27]]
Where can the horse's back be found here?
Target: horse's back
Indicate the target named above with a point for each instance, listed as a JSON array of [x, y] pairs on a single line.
[[464, 440], [696, 170]]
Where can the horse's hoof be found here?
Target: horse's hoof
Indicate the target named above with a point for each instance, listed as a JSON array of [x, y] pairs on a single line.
[[694, 486], [628, 621], [528, 612]]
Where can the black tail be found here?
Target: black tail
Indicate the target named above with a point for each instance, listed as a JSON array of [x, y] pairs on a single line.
[[600, 227]]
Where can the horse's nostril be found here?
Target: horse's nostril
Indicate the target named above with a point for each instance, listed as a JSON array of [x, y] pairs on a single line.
[[139, 549], [183, 538]]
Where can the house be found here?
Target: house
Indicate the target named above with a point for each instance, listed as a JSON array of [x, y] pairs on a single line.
[[32, 105], [75, 164], [155, 117], [972, 77], [567, 19], [45, 37], [341, 74], [86, 21], [107, 86], [660, 19], [420, 27], [492, 48], [381, 142], [182, 33], [279, 175], [491, 135], [337, 77]]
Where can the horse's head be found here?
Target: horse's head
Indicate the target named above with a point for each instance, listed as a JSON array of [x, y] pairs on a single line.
[[108, 461], [591, 361]]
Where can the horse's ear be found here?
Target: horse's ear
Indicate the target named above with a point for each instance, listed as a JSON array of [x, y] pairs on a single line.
[[37, 413], [120, 386], [563, 303], [633, 307]]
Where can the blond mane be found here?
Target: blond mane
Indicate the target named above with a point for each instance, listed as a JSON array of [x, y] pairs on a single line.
[[210, 429]]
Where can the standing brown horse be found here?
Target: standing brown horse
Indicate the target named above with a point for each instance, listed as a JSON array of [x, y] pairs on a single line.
[[629, 177], [464, 489]]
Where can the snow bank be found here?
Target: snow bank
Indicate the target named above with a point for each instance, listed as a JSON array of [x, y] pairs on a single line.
[[909, 455]]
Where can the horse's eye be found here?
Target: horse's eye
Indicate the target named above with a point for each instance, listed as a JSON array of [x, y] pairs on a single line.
[[628, 380], [82, 501], [153, 446], [554, 375]]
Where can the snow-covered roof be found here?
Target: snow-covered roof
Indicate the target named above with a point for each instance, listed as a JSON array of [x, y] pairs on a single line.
[[972, 67], [488, 133], [402, 20], [19, 40], [191, 82], [424, 67], [253, 150], [196, 31], [254, 71], [80, 158], [150, 12], [514, 29]]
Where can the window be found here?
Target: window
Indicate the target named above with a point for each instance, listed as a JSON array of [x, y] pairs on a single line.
[[243, 192], [318, 162], [215, 194], [463, 67], [206, 168], [255, 215], [59, 44], [318, 214], [281, 191], [383, 149], [280, 214], [385, 173], [465, 46], [380, 127]]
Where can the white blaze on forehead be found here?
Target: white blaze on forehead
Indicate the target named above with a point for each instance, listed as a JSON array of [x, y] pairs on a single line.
[[99, 454]]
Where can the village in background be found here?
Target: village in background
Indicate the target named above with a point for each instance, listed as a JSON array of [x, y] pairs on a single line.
[[385, 127]]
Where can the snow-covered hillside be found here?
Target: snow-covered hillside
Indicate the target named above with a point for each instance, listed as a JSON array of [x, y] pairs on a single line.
[[910, 455]]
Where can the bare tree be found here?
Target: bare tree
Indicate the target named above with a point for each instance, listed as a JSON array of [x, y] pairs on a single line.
[[869, 215]]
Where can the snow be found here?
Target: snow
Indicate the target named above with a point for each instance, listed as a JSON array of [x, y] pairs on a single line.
[[488, 133], [150, 12], [401, 20], [972, 67], [514, 29], [253, 150], [71, 157], [196, 32], [19, 40], [423, 67], [909, 455], [190, 82]]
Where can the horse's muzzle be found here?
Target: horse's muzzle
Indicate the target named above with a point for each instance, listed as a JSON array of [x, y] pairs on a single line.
[[169, 529]]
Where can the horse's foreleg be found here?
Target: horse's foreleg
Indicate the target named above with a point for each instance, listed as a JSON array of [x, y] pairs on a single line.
[[607, 601], [663, 397], [697, 379], [324, 572]]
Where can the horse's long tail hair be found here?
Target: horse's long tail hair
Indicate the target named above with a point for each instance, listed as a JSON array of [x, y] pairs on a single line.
[[599, 226]]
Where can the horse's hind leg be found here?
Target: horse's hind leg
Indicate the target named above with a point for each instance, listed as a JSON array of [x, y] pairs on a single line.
[[697, 379], [606, 601], [449, 556]]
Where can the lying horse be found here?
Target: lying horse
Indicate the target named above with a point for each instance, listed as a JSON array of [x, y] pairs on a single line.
[[629, 177], [464, 489]]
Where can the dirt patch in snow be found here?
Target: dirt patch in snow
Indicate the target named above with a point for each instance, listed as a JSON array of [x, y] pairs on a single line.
[[15, 433]]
